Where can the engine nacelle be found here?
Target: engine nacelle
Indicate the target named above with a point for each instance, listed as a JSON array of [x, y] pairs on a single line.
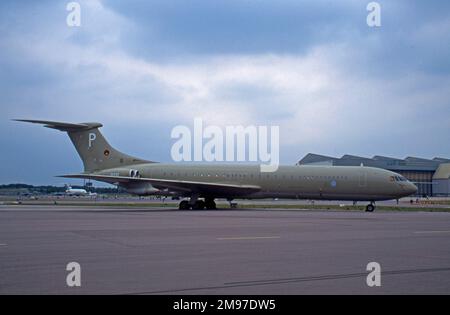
[[141, 189], [123, 172]]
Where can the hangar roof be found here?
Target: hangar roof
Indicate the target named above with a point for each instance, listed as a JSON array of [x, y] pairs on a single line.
[[311, 158], [443, 171], [410, 163]]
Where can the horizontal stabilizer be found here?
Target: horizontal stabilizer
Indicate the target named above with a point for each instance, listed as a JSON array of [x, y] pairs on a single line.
[[63, 126], [94, 150]]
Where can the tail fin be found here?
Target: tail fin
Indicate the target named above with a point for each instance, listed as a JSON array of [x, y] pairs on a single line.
[[95, 152]]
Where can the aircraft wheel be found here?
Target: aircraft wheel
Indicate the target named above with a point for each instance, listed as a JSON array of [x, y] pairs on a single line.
[[210, 204], [184, 205], [370, 208], [199, 205]]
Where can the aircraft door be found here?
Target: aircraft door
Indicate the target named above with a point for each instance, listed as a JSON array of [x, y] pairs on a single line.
[[362, 178]]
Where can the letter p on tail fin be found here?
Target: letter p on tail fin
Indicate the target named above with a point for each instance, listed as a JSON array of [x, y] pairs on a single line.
[[95, 152]]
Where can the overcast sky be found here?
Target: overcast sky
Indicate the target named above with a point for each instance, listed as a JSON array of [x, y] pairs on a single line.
[[332, 84]]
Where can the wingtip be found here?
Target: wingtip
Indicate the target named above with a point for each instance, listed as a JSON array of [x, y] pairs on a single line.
[[24, 120]]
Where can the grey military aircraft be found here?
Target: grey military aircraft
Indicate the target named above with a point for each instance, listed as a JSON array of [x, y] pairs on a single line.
[[201, 184]]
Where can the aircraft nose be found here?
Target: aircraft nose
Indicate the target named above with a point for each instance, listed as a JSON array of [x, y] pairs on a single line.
[[412, 189]]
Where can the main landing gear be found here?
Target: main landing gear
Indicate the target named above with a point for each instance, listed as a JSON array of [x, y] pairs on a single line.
[[210, 204], [370, 207], [197, 204]]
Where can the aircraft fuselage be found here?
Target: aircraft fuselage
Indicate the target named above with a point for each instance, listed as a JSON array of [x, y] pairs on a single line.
[[300, 182]]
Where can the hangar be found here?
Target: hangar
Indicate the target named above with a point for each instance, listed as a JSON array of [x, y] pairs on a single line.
[[431, 176]]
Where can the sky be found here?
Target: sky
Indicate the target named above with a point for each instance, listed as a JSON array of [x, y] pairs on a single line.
[[331, 83]]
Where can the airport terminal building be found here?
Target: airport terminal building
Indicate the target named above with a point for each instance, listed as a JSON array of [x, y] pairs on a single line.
[[432, 177]]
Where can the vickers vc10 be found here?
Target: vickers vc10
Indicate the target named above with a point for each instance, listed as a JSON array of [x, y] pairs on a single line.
[[200, 184]]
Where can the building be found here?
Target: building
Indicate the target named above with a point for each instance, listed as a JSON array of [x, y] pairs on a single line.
[[432, 177]]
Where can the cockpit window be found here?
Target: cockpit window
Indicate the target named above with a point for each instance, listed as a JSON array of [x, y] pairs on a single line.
[[398, 178]]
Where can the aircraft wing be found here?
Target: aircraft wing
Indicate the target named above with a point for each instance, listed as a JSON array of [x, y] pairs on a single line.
[[205, 188]]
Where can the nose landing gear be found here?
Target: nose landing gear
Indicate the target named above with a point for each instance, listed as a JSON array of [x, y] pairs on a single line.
[[370, 207]]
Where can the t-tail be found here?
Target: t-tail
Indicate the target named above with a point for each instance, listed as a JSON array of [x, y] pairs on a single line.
[[95, 152]]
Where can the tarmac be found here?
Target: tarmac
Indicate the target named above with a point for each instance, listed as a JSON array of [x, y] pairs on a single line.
[[252, 251]]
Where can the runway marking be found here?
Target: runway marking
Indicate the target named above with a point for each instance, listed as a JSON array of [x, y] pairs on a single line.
[[247, 238], [3, 244], [431, 232]]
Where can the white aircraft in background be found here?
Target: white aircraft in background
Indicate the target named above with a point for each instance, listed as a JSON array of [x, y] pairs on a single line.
[[76, 192]]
